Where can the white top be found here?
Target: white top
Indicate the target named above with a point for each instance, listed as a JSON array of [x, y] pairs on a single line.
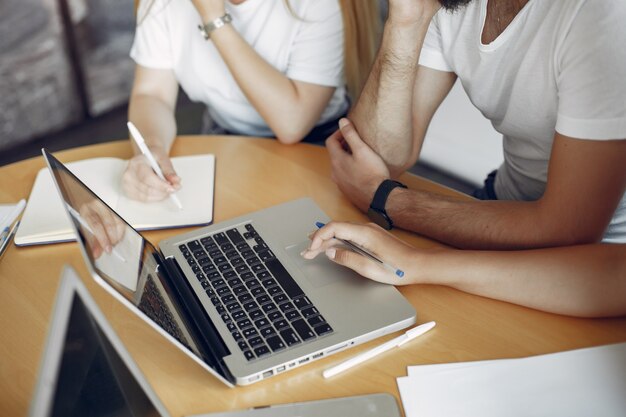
[[308, 48], [558, 66]]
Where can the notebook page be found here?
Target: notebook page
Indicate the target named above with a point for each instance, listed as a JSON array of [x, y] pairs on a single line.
[[197, 173], [45, 218]]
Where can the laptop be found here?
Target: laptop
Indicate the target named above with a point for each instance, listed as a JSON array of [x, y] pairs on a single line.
[[237, 297], [86, 371]]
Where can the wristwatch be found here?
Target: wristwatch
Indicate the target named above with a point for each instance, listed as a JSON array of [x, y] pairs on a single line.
[[377, 211], [207, 28]]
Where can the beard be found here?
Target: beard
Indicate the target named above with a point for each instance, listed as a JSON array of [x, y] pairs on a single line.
[[452, 5]]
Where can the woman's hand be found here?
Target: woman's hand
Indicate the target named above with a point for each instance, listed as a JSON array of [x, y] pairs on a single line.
[[209, 10], [376, 240], [140, 182], [102, 229]]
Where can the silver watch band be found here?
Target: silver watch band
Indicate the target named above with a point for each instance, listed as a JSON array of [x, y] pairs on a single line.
[[207, 28]]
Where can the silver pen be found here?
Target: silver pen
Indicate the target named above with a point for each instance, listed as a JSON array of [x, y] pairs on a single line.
[[5, 242]]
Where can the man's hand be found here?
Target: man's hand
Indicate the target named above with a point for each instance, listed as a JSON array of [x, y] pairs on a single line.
[[140, 182], [377, 241], [356, 168]]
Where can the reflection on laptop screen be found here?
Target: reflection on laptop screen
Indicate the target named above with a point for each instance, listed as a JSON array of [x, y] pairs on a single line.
[[93, 381], [130, 268]]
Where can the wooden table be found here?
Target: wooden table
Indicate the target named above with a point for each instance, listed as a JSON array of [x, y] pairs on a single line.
[[253, 174]]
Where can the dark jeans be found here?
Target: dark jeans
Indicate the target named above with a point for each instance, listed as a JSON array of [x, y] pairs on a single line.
[[487, 192]]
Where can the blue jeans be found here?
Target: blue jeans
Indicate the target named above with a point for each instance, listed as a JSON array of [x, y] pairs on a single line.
[[487, 192]]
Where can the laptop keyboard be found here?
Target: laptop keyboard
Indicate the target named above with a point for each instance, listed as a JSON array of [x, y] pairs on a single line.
[[265, 310]]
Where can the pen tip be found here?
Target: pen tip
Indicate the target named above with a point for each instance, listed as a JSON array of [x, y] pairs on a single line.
[[400, 273], [319, 224]]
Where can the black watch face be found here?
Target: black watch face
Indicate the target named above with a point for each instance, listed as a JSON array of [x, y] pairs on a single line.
[[379, 218]]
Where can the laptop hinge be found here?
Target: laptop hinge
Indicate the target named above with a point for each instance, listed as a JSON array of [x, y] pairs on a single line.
[[204, 330]]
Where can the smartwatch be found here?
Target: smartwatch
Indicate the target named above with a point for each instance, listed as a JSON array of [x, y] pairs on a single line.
[[377, 211]]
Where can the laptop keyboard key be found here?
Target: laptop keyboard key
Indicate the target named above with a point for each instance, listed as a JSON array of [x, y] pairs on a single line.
[[323, 329], [220, 238], [261, 351], [255, 341], [315, 320], [274, 315], [234, 236], [269, 307], [249, 355], [266, 255], [281, 324], [292, 315], [283, 277], [311, 311], [262, 322], [275, 343], [238, 315], [250, 332], [256, 314], [267, 332], [303, 329], [290, 337], [245, 323]]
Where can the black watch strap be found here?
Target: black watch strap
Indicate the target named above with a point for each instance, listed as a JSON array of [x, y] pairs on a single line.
[[377, 210], [382, 193]]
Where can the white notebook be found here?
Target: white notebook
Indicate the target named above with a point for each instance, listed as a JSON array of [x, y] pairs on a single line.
[[45, 220]]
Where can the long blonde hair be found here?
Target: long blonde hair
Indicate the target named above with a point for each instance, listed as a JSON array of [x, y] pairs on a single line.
[[362, 29]]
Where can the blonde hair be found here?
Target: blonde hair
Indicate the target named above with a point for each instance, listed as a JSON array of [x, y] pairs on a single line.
[[362, 28]]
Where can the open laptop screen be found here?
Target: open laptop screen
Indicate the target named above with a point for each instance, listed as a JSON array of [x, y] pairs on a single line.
[[93, 380], [130, 267]]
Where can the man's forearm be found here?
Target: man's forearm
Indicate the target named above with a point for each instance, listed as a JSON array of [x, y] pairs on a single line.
[[499, 225], [382, 114]]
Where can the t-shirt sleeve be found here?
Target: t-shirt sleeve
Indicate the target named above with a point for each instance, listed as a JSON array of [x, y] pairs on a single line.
[[317, 51], [432, 54], [151, 46], [590, 73]]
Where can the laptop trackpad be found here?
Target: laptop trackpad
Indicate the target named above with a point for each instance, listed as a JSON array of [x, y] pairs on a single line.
[[319, 271]]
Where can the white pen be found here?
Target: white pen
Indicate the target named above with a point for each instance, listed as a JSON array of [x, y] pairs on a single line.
[[141, 144], [398, 341], [76, 215]]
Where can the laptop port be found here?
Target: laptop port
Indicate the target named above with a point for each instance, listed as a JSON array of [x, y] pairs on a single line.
[[318, 355], [303, 360], [281, 368], [254, 378], [267, 374]]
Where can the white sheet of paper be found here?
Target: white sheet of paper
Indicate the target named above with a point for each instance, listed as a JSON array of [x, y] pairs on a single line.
[[579, 383]]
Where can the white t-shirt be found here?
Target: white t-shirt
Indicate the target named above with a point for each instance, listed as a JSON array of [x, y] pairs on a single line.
[[559, 66], [307, 47]]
